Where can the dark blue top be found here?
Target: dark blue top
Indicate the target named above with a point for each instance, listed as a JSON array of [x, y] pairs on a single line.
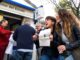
[[23, 37]]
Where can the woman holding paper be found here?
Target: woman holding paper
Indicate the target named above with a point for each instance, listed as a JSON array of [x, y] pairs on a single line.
[[50, 52]]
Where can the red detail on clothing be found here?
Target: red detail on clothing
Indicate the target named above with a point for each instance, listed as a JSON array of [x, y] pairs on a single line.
[[2, 52], [4, 36]]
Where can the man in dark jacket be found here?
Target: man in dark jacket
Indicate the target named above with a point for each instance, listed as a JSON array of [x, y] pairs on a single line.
[[23, 37]]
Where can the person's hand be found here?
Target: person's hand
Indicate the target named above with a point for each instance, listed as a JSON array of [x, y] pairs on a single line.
[[12, 31], [35, 37], [51, 37], [61, 48]]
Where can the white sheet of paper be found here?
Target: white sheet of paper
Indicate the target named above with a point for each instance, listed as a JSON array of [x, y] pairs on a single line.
[[44, 39]]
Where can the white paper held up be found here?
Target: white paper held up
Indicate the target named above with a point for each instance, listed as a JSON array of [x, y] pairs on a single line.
[[44, 39]]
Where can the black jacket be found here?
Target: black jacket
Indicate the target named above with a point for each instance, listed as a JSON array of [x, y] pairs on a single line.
[[74, 46]]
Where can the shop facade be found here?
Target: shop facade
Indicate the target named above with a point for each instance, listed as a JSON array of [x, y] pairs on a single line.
[[15, 13]]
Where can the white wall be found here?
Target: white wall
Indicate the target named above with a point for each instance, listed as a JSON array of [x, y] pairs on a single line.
[[46, 10]]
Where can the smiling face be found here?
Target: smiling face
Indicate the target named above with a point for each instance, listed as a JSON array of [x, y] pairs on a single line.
[[49, 23]]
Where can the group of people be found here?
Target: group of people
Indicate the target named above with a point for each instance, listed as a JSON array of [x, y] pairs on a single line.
[[64, 39]]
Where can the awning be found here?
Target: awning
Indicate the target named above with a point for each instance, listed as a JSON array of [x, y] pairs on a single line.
[[19, 4]]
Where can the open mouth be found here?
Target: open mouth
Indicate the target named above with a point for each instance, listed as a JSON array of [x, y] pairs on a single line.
[[46, 23]]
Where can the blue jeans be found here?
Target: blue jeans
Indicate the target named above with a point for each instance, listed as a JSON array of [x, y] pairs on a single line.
[[70, 57], [23, 55], [46, 57], [11, 57]]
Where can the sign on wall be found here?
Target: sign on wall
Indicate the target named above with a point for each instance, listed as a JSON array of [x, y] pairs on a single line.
[[39, 13]]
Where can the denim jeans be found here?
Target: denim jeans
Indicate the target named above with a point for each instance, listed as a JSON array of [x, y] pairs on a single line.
[[70, 57], [46, 57], [47, 54], [11, 57], [22, 55]]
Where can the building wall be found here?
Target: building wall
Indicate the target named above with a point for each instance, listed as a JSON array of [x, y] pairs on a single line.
[[25, 13], [16, 10]]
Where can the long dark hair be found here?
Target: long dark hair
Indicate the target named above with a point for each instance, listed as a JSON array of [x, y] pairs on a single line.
[[54, 25]]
